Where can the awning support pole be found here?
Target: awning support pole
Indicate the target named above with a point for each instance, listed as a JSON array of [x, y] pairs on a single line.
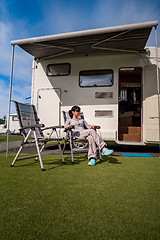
[[10, 95], [158, 90]]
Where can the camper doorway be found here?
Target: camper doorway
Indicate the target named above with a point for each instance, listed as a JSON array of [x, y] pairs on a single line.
[[130, 103], [49, 106]]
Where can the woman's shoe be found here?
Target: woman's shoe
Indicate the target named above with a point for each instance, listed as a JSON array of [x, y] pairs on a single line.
[[107, 152], [92, 162]]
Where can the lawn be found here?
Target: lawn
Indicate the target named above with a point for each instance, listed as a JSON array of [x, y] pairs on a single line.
[[116, 199], [16, 137]]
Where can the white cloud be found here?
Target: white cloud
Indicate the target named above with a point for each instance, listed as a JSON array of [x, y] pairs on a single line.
[[4, 90], [5, 48], [64, 19], [18, 95], [22, 59], [109, 13], [22, 62], [21, 74]]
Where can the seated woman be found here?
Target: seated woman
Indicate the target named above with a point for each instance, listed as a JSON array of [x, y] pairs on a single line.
[[83, 130]]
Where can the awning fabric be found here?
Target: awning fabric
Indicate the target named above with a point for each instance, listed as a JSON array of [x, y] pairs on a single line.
[[126, 38]]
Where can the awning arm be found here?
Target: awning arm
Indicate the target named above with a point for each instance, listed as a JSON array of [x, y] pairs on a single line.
[[116, 50], [56, 55], [69, 50], [95, 45], [10, 95], [53, 46], [107, 39]]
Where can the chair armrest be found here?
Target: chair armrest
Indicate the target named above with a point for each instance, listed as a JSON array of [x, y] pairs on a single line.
[[32, 126], [69, 128], [98, 127], [52, 127]]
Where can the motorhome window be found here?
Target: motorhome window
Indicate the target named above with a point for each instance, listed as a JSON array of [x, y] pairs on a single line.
[[14, 118], [96, 78], [63, 69]]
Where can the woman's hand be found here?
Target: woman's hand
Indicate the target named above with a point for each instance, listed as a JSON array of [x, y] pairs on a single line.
[[94, 126]]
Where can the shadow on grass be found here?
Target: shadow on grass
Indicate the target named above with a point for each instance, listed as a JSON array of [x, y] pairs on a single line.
[[110, 159], [52, 163], [68, 162], [25, 164]]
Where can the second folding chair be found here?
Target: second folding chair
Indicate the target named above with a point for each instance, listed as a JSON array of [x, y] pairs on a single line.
[[76, 145]]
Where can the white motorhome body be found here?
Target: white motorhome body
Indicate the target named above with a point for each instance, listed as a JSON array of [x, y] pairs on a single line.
[[14, 125], [115, 87], [101, 105]]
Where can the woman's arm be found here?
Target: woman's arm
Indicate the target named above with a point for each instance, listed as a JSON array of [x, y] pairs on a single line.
[[90, 126], [68, 124]]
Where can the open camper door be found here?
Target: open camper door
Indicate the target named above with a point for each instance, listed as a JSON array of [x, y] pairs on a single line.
[[130, 104], [48, 106], [150, 105]]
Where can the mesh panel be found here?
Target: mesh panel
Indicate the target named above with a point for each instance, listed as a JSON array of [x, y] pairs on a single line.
[[66, 116], [27, 116]]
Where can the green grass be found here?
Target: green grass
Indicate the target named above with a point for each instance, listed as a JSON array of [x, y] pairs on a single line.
[[117, 199], [3, 138]]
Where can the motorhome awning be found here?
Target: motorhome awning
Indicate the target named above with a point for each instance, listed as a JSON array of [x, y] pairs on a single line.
[[126, 38]]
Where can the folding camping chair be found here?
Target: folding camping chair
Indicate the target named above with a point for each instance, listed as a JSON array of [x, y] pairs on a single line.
[[32, 132], [76, 145]]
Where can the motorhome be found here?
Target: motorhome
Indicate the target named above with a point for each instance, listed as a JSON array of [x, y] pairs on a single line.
[[14, 125], [108, 72]]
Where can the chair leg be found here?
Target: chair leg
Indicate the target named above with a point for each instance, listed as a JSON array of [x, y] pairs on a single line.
[[44, 145], [20, 149], [59, 145], [38, 151], [70, 141], [17, 155], [100, 155], [64, 147]]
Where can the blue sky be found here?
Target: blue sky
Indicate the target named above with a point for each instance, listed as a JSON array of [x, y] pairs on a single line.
[[24, 19]]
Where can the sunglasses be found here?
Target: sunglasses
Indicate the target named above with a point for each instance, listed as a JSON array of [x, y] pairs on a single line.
[[77, 110]]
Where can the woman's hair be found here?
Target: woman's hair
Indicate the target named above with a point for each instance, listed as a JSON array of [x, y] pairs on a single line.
[[74, 108]]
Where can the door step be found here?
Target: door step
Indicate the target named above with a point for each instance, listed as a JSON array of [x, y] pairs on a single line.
[[131, 133], [132, 137], [130, 143], [134, 130]]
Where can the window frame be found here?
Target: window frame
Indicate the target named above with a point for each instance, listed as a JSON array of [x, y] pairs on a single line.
[[97, 70], [59, 75], [15, 118]]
